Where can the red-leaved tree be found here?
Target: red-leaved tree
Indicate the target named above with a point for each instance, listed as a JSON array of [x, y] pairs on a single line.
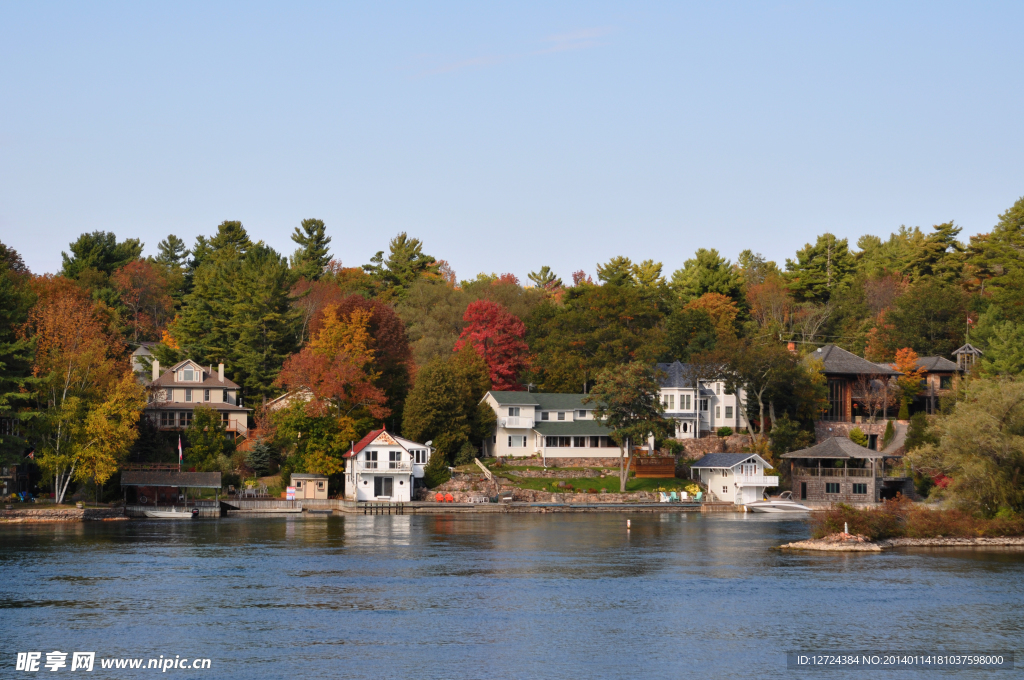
[[497, 336]]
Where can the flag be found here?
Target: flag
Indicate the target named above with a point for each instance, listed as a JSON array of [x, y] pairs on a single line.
[[179, 450], [969, 322], [32, 454]]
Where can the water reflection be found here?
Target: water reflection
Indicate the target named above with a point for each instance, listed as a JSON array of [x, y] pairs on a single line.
[[562, 596]]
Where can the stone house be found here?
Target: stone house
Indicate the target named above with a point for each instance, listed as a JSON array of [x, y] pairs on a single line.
[[838, 470]]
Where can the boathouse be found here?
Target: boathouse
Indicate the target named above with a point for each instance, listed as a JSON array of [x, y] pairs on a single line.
[[164, 484], [841, 471], [734, 477]]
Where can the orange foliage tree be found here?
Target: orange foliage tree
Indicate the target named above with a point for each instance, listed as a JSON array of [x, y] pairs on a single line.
[[143, 291], [721, 309]]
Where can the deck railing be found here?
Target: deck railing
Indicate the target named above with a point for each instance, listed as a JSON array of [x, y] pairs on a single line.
[[383, 466], [849, 472], [756, 480]]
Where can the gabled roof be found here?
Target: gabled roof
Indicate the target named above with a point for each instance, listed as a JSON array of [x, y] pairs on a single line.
[[676, 375], [968, 349], [835, 447], [727, 460], [372, 437], [840, 362], [210, 377], [937, 364], [513, 398], [545, 401]]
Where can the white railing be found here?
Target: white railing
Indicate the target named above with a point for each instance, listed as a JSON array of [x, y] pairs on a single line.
[[756, 480], [516, 421], [383, 466]]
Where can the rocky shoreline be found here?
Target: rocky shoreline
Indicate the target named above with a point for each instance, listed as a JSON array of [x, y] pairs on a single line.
[[61, 514], [851, 543]]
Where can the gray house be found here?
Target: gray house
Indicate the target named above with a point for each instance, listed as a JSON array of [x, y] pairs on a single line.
[[840, 471]]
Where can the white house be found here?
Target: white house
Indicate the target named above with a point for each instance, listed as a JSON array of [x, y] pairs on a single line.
[[384, 467], [546, 424], [175, 393], [736, 477], [698, 405]]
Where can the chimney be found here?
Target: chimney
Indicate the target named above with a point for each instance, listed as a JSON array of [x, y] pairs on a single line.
[[220, 372], [791, 347], [156, 369]]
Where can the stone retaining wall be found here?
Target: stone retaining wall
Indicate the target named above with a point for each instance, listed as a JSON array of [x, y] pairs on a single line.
[[61, 514]]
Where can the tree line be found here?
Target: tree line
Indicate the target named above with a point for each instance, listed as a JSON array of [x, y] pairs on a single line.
[[402, 341]]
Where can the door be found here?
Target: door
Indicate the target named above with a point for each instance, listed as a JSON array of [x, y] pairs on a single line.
[[803, 491], [383, 487]]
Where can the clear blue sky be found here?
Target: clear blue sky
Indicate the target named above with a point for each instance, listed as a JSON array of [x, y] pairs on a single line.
[[508, 135]]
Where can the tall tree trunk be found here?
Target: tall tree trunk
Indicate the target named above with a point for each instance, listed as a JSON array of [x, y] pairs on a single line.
[[624, 471], [771, 412], [760, 416]]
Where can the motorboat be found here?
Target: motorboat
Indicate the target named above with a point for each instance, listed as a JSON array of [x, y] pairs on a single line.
[[173, 513], [783, 503]]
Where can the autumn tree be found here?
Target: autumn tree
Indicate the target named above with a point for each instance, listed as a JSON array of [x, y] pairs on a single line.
[[626, 402], [720, 309], [910, 382], [142, 290], [88, 400], [497, 337]]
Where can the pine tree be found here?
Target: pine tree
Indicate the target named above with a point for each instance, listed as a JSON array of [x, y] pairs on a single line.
[[821, 269], [311, 258], [406, 263], [16, 355], [706, 272]]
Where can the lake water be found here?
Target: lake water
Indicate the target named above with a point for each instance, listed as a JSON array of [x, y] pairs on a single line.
[[491, 596]]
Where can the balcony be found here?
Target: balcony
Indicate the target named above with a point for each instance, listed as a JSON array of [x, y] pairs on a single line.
[[517, 422], [756, 480], [894, 472], [383, 466]]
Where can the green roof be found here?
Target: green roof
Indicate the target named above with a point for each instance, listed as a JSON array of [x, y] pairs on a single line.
[[547, 401], [577, 428]]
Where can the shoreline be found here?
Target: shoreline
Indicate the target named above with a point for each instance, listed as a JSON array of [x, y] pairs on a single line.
[[853, 545]]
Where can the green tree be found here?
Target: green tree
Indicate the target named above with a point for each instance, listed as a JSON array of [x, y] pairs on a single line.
[[172, 258], [99, 251], [940, 256], [994, 257], [857, 436], [16, 354], [647, 274], [618, 271], [919, 433], [436, 471], [980, 447], [259, 457], [231, 240], [209, 448], [820, 269], [626, 400], [755, 269], [931, 318], [707, 272], [444, 404], [688, 332], [405, 264], [545, 278], [1004, 353], [312, 257]]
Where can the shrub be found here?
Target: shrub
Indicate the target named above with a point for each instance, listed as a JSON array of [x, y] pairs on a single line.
[[904, 413], [890, 432], [901, 518], [465, 455], [858, 437], [724, 431], [436, 471]]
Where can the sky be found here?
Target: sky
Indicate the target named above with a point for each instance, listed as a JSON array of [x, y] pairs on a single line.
[[508, 135]]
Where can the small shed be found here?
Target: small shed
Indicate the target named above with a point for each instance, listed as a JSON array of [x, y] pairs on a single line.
[[309, 486], [156, 485]]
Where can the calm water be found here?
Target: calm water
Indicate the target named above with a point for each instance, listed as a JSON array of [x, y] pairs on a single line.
[[527, 596]]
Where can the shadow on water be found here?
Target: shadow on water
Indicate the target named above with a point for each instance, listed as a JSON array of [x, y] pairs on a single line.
[[562, 596]]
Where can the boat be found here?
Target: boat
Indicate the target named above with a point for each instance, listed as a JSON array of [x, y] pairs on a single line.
[[783, 503], [173, 513]]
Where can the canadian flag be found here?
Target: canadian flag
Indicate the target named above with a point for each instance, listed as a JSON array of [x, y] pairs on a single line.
[[179, 450]]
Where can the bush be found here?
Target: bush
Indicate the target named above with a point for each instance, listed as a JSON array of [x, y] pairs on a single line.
[[904, 413], [890, 432], [901, 518], [858, 437], [467, 452], [436, 471], [724, 431], [674, 446]]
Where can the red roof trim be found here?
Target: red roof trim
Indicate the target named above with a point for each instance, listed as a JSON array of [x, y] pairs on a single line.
[[363, 443]]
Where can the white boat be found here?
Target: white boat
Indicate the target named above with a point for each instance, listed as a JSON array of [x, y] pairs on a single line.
[[783, 503], [172, 514]]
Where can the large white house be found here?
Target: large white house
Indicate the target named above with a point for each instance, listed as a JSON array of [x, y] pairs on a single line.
[[735, 477], [546, 424], [384, 467], [698, 405]]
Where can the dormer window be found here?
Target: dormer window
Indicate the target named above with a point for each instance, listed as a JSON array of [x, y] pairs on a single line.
[[188, 375]]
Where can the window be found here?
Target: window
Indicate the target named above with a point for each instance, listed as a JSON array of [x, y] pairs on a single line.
[[184, 418], [669, 402], [298, 485], [320, 485], [718, 412], [718, 388], [728, 412], [561, 415], [513, 411], [545, 415], [206, 395], [188, 375], [581, 414], [836, 410], [167, 419], [579, 442], [831, 487], [419, 456], [686, 428], [371, 460], [725, 490], [383, 486], [945, 382], [394, 459], [860, 488], [703, 404], [188, 395], [517, 441], [554, 442], [225, 397], [688, 405], [224, 418]]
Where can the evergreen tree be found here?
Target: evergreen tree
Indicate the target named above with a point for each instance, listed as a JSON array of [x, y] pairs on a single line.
[[940, 256], [1004, 352], [406, 263], [99, 251], [172, 252], [707, 272], [231, 240], [618, 271], [208, 446], [16, 354], [821, 269], [258, 458], [545, 278], [436, 471], [311, 258]]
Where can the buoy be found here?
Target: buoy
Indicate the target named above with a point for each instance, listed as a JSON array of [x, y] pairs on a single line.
[[627, 525], [846, 528]]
